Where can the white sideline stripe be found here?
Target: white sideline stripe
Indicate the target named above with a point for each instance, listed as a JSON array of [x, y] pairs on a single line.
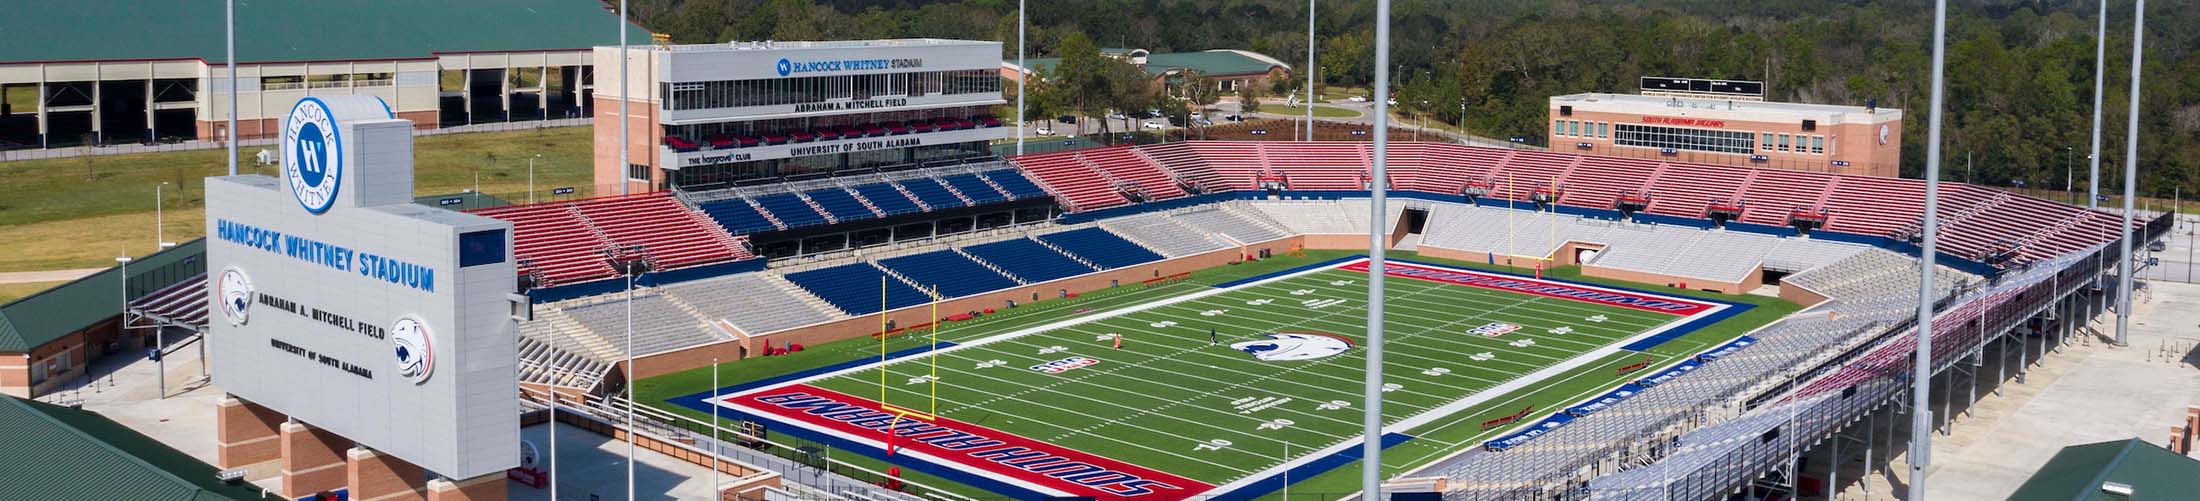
[[1478, 398]]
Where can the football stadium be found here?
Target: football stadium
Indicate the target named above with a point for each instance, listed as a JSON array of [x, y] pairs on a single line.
[[830, 270]]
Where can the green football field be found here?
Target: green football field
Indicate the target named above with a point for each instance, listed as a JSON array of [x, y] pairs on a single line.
[[1223, 387]]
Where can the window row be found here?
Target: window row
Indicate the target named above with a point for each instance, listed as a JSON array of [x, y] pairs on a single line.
[[803, 90], [1577, 128], [1796, 143], [1685, 139]]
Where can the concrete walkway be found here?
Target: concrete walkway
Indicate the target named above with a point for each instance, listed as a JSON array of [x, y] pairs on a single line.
[[2090, 392], [25, 277]]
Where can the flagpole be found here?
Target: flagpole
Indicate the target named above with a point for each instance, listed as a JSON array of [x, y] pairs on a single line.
[[231, 40], [1921, 378], [1371, 442], [713, 425]]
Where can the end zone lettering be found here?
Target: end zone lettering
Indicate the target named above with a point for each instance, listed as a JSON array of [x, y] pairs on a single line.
[[1064, 365], [972, 447]]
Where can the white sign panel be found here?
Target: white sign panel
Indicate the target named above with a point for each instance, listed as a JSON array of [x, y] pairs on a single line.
[[349, 308]]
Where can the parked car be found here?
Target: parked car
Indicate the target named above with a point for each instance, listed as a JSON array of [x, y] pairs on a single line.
[[1234, 118], [1068, 119], [1357, 99], [1118, 116], [1153, 125], [1044, 131], [1204, 122]]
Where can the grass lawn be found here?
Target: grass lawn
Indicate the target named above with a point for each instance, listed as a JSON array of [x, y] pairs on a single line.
[[77, 213], [1063, 420], [11, 292]]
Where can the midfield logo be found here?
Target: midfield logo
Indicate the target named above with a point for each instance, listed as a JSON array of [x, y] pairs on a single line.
[[1284, 346], [1494, 329]]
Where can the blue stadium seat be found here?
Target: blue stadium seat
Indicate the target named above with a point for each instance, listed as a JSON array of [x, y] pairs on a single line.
[[1028, 260], [840, 204], [1101, 248], [933, 195], [854, 288], [1016, 183], [791, 210], [956, 276], [887, 199], [737, 216], [975, 188]]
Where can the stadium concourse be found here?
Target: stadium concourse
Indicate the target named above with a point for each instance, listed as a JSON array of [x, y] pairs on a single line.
[[1142, 216]]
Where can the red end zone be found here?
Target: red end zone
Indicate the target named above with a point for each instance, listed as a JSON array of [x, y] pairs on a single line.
[[1559, 290], [972, 447]]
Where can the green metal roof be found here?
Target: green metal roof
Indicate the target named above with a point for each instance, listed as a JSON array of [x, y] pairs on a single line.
[[1214, 62], [301, 30], [41, 318], [55, 452], [2078, 471]]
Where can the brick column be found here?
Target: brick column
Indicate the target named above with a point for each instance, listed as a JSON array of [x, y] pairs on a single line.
[[313, 460], [373, 476], [245, 433], [490, 487]]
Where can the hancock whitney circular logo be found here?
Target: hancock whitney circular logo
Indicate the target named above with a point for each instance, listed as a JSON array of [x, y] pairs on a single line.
[[414, 353], [234, 290], [313, 155], [785, 67]]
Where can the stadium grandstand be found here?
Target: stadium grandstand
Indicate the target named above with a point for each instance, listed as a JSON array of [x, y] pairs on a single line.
[[1836, 243], [75, 73]]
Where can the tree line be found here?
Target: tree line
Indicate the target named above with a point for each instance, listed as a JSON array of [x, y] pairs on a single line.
[[2020, 73]]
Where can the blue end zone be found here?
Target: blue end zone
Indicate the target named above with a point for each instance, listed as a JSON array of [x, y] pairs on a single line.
[[698, 402], [1308, 470], [1265, 276]]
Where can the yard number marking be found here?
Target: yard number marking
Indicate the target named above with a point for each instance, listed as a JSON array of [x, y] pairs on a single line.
[[923, 379], [1210, 313], [1523, 343], [1052, 350], [1436, 371], [991, 364], [1277, 424], [1599, 318], [1562, 330], [1211, 445], [1334, 405], [1164, 324], [1259, 302]]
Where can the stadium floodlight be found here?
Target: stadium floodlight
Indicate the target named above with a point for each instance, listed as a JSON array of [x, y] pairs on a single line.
[[1921, 379], [2131, 177], [1371, 439], [1310, 99]]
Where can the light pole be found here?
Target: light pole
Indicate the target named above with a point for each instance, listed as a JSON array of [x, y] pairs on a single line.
[[2100, 67], [1921, 377], [160, 231], [2131, 177], [1310, 72], [531, 178], [2068, 169], [1371, 452], [1023, 73]]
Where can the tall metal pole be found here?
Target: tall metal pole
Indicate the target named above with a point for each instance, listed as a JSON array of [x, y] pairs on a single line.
[[629, 363], [1921, 379], [2100, 68], [556, 377], [1310, 72], [626, 166], [2131, 177], [1024, 74], [230, 37], [713, 428], [1371, 455]]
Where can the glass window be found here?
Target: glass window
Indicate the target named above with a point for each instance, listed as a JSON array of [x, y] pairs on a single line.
[[1558, 127], [1604, 130], [1681, 138], [1818, 144], [1766, 142], [1784, 142]]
